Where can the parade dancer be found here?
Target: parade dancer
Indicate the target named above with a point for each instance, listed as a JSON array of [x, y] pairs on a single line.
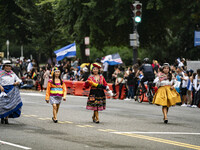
[[56, 91], [166, 94], [10, 100], [97, 99]]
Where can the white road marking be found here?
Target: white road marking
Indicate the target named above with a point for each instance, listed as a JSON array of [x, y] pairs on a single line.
[[172, 133], [43, 95], [32, 94], [15, 145]]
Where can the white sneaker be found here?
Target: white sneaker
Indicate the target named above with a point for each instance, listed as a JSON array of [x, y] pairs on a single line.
[[194, 106], [184, 105], [127, 99]]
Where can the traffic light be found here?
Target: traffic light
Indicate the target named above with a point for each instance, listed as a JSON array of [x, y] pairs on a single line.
[[137, 11]]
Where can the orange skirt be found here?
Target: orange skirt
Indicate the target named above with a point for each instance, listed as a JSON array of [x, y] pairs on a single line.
[[166, 97]]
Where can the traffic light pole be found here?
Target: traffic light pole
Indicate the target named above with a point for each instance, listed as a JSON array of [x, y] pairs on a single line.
[[135, 51], [136, 8]]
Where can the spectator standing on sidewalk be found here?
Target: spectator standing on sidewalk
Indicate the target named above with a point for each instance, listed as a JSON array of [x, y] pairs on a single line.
[[40, 77], [30, 65], [105, 70], [179, 75], [197, 90], [184, 88], [181, 63], [190, 88], [114, 77], [130, 83], [46, 77], [155, 66], [119, 81]]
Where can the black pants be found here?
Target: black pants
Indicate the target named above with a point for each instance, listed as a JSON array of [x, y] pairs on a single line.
[[105, 75], [144, 79], [120, 89], [196, 98]]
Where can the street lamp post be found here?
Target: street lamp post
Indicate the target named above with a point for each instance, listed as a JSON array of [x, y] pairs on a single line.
[[7, 43]]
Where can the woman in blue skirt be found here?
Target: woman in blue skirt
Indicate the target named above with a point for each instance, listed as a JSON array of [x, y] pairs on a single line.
[[10, 100]]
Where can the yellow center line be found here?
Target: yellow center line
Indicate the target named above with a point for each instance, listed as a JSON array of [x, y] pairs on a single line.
[[44, 118], [161, 140], [107, 130], [81, 126], [33, 115], [90, 126], [111, 130], [26, 115], [68, 122]]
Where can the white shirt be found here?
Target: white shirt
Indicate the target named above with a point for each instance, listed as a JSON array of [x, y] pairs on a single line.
[[29, 67], [105, 67], [9, 79], [180, 64], [195, 82], [185, 82]]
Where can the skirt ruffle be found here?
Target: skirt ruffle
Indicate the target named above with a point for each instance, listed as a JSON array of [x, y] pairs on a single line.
[[166, 97]]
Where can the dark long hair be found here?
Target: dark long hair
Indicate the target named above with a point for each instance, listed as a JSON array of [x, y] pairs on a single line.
[[53, 78], [169, 75]]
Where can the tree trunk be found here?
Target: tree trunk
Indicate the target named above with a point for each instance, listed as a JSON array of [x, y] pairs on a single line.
[[84, 59]]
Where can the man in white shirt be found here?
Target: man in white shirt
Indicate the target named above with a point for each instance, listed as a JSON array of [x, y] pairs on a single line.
[[30, 66], [181, 63], [184, 88]]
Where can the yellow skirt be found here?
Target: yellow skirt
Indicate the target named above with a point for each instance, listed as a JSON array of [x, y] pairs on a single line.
[[166, 97]]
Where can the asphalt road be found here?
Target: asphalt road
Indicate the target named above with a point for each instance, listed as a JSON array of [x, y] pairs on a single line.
[[123, 125]]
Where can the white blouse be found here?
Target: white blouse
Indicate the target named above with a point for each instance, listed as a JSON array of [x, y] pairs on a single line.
[[9, 79], [165, 82]]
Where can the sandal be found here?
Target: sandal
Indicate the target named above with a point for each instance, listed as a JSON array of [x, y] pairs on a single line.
[[165, 120], [55, 121]]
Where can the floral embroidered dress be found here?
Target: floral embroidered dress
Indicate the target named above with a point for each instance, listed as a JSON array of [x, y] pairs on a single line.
[[96, 98]]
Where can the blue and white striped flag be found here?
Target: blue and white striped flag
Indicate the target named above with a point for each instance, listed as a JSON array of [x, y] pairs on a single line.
[[113, 59], [67, 51]]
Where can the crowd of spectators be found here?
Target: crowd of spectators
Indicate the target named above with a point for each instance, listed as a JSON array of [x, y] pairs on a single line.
[[37, 77]]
